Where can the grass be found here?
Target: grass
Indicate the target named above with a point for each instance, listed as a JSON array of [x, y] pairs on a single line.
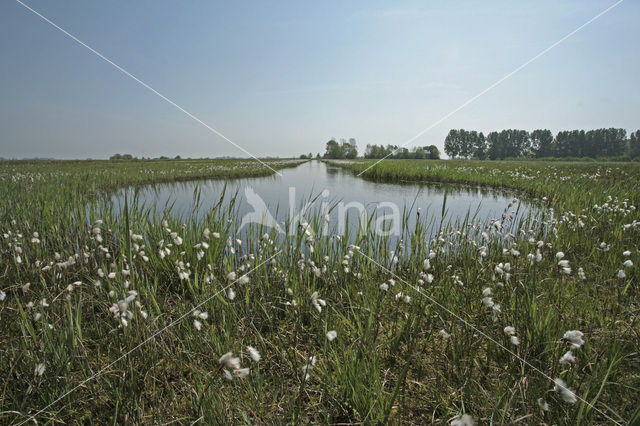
[[394, 360]]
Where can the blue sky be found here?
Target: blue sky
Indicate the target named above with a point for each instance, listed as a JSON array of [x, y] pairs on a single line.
[[281, 78]]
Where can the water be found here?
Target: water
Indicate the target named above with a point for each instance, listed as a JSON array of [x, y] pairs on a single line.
[[316, 189]]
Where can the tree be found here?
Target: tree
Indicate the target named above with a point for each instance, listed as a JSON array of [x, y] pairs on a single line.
[[418, 153], [494, 146], [616, 140], [452, 144], [122, 157], [434, 152], [333, 150], [479, 143], [465, 143], [562, 146], [341, 150], [350, 149], [523, 143], [514, 143], [634, 144], [542, 143]]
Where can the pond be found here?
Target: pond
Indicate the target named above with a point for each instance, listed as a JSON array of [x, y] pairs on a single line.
[[340, 200]]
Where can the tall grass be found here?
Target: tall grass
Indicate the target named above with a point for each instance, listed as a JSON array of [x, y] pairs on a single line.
[[398, 357]]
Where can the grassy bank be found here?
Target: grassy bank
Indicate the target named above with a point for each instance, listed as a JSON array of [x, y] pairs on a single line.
[[127, 317], [572, 185]]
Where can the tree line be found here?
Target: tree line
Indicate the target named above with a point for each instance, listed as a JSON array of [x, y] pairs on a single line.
[[349, 149], [342, 149], [430, 152], [541, 143], [131, 157]]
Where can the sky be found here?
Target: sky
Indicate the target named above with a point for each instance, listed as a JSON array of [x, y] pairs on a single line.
[[282, 78]]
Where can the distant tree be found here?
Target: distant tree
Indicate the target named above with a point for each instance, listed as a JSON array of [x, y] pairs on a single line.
[[494, 146], [594, 143], [561, 144], [479, 146], [333, 150], [514, 143], [465, 143], [634, 144], [522, 141], [541, 143], [177, 157], [350, 149], [575, 143], [616, 141], [370, 151], [377, 151], [418, 153], [452, 144], [340, 150], [434, 152], [122, 157]]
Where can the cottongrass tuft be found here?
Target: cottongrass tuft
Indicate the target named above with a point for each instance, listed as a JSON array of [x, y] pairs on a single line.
[[574, 337], [253, 353], [543, 404], [566, 394], [227, 375], [464, 420], [197, 324], [229, 361], [317, 302], [39, 370], [307, 367], [231, 294], [581, 274], [568, 358], [241, 372], [332, 335]]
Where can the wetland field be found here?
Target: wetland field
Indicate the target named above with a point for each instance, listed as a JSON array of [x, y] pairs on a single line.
[[504, 292]]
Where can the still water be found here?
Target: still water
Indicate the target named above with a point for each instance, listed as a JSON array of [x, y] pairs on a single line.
[[344, 201]]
